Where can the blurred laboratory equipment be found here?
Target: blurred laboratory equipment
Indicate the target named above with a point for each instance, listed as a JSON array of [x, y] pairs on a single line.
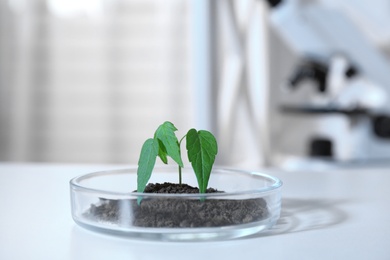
[[329, 84], [236, 70], [301, 82]]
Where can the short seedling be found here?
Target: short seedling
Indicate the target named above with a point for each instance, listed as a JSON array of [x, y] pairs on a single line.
[[201, 150], [167, 211]]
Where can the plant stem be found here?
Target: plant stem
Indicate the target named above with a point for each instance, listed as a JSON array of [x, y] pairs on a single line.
[[179, 175], [180, 155], [181, 140]]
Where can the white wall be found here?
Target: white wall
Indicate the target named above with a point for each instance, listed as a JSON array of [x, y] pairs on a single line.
[[89, 81]]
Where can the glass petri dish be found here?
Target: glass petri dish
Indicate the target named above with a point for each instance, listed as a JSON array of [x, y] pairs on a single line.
[[247, 203]]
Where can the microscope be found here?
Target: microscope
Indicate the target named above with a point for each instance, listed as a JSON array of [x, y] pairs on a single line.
[[329, 89]]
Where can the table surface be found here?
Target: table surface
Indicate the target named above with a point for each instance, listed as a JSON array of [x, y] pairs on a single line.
[[334, 214]]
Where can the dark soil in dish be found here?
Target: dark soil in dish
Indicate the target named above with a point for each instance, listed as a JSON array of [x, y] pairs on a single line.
[[181, 213]]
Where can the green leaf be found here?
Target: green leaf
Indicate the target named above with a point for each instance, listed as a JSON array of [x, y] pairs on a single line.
[[146, 163], [166, 134], [162, 152], [201, 149]]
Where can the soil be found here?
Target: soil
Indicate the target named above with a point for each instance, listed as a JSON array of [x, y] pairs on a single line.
[[169, 212]]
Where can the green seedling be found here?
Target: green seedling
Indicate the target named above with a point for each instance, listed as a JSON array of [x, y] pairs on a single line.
[[201, 150]]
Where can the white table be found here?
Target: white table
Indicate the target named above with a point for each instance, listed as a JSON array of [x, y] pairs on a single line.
[[343, 214]]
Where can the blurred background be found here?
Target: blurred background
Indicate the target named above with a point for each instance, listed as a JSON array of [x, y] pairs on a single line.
[[280, 83]]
